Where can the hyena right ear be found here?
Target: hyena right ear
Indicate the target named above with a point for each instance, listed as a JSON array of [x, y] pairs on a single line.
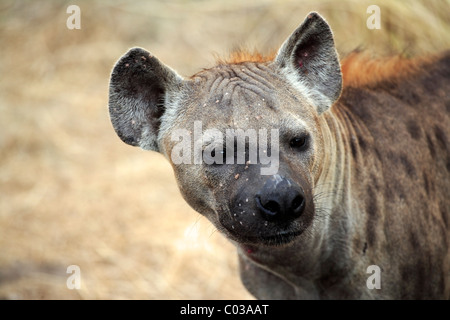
[[141, 89], [309, 59]]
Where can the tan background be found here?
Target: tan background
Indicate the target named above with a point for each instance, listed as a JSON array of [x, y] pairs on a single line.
[[72, 193]]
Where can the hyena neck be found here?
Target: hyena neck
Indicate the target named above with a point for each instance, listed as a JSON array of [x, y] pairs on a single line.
[[332, 187], [336, 215]]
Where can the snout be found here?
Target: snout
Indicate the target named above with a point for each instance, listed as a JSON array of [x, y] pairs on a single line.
[[271, 210], [280, 200]]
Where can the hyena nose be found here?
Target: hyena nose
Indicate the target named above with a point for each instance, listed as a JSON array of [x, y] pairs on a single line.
[[280, 200]]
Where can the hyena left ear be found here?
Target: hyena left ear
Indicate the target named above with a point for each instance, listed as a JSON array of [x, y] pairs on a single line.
[[309, 60], [141, 90]]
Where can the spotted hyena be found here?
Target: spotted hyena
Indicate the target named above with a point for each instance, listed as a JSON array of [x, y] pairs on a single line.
[[356, 158]]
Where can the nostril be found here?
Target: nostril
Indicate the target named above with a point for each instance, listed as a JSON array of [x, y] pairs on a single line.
[[272, 206], [297, 202], [270, 209]]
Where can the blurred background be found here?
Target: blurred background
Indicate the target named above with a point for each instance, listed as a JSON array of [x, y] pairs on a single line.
[[71, 193]]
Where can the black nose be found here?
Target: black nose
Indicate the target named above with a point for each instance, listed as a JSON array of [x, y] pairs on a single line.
[[280, 200]]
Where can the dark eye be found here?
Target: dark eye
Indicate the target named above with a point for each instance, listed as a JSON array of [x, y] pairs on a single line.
[[299, 143]]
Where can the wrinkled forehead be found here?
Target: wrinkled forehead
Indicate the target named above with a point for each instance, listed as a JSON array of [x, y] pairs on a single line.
[[242, 95], [236, 96]]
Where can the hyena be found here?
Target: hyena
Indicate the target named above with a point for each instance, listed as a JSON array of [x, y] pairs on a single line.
[[363, 162]]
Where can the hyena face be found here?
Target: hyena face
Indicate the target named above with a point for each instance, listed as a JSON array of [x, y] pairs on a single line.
[[252, 176], [242, 137]]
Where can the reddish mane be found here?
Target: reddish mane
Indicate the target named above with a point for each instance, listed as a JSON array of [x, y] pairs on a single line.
[[358, 68]]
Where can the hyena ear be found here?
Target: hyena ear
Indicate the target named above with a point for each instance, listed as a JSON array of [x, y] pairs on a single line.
[[140, 93], [309, 60]]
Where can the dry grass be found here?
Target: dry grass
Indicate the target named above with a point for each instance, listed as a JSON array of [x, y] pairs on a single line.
[[72, 193]]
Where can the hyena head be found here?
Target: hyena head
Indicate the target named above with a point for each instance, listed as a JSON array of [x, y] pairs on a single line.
[[244, 137]]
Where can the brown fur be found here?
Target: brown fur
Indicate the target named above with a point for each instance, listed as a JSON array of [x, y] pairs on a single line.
[[358, 67], [241, 55]]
